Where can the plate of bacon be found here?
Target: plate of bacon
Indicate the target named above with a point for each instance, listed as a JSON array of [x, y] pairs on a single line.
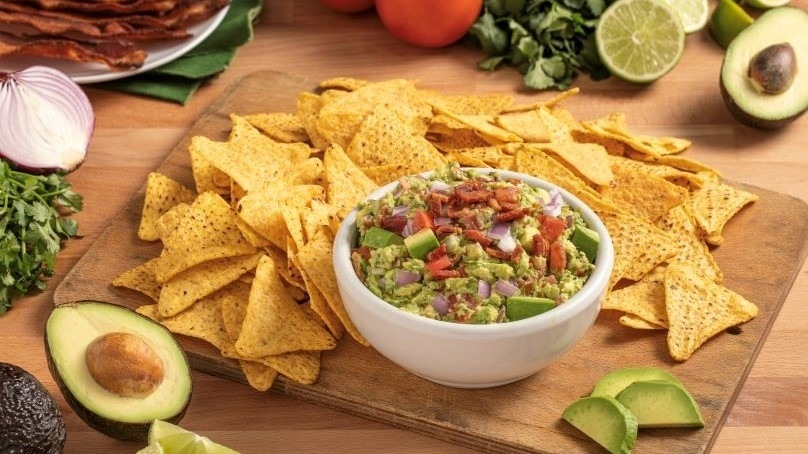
[[102, 40]]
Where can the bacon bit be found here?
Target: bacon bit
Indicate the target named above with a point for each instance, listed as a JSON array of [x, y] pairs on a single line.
[[442, 231], [498, 254], [507, 194], [436, 202], [440, 275], [436, 253], [541, 247], [478, 237], [394, 224], [551, 227], [472, 192], [558, 258], [494, 204], [507, 206], [510, 216]]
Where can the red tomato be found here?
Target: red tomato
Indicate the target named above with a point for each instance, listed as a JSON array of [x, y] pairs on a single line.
[[428, 23], [422, 219], [348, 6]]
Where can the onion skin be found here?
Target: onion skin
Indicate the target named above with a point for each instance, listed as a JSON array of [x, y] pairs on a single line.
[[48, 118]]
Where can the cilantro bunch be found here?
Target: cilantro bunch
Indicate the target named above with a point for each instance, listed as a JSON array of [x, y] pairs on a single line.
[[548, 41], [32, 222]]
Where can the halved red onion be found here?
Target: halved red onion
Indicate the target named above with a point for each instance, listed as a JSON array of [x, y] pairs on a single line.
[[553, 207], [505, 288], [404, 277], [48, 120], [440, 304], [483, 288]]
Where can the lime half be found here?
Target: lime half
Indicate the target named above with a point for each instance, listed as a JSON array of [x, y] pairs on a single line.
[[167, 438], [640, 40], [694, 13], [728, 19], [767, 4]]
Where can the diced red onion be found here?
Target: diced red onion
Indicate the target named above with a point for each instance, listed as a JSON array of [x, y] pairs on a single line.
[[399, 210], [499, 230], [48, 119], [507, 243], [553, 207], [440, 304], [505, 288], [439, 186], [483, 288], [407, 231], [443, 220], [404, 277]]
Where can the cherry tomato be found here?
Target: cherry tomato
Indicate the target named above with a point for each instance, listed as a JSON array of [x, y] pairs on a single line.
[[428, 23], [348, 6]]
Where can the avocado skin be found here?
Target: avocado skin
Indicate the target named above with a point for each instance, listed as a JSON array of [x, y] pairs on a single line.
[[750, 120], [30, 419], [115, 429]]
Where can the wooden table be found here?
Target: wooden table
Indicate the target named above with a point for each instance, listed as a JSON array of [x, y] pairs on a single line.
[[134, 134]]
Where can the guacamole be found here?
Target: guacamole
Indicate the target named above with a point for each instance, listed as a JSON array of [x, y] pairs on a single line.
[[468, 247]]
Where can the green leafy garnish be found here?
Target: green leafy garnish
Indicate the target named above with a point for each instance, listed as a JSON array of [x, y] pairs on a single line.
[[548, 41], [33, 227]]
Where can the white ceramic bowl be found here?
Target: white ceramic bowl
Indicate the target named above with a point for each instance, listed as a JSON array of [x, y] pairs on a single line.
[[465, 355]]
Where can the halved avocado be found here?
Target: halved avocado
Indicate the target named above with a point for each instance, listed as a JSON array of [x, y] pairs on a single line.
[[117, 369], [764, 74]]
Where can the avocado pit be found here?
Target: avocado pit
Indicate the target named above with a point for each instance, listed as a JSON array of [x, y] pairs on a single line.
[[772, 70], [124, 364]]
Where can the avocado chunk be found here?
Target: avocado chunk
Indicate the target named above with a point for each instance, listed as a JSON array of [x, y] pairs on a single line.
[[604, 420], [30, 420], [420, 243], [377, 237], [586, 240], [520, 307], [617, 380], [762, 74], [661, 403], [117, 369]]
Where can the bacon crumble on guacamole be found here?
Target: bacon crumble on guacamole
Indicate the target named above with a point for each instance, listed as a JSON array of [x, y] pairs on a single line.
[[469, 247]]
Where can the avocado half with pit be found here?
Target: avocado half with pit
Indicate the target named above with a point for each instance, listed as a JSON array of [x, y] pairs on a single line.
[[117, 369], [764, 74]]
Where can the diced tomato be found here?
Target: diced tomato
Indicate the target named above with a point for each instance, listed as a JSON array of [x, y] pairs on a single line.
[[422, 219], [551, 227], [558, 258], [441, 263]]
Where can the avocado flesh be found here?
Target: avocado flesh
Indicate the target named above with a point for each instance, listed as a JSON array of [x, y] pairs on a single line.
[[30, 420], [420, 243], [660, 403], [604, 420], [748, 104], [617, 380], [72, 327]]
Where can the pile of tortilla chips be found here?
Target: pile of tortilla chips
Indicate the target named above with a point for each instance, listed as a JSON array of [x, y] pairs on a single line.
[[246, 256]]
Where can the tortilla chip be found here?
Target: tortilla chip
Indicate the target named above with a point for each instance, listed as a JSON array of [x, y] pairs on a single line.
[[343, 83], [649, 196], [474, 104], [187, 287], [589, 160], [633, 321], [263, 211], [162, 193], [692, 247], [526, 125], [204, 172], [644, 299], [347, 184], [698, 309], [714, 204], [274, 322], [142, 279], [207, 231], [281, 126], [301, 366], [203, 320]]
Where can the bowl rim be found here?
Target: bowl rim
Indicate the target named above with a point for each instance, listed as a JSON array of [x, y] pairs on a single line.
[[593, 289]]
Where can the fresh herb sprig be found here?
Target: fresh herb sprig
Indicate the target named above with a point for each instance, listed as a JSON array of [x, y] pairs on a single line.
[[548, 41], [33, 225]]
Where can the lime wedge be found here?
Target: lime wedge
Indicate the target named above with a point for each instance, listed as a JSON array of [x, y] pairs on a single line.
[[728, 19], [694, 13], [640, 40], [167, 438], [767, 4]]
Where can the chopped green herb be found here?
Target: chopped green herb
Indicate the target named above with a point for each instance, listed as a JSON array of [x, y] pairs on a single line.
[[33, 225], [547, 41]]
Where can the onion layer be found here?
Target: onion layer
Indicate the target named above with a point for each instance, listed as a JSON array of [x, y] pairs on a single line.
[[48, 120]]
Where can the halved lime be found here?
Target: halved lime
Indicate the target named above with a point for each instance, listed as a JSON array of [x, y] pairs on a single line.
[[694, 13], [728, 19], [640, 40], [159, 429], [169, 438], [767, 4]]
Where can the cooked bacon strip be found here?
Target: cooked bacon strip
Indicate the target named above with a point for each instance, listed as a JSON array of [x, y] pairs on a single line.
[[104, 6], [117, 54]]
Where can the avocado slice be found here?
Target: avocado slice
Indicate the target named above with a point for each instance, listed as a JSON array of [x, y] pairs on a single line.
[[117, 369], [586, 240], [520, 307], [604, 420], [617, 380], [763, 73], [377, 237], [30, 420], [420, 243], [661, 403]]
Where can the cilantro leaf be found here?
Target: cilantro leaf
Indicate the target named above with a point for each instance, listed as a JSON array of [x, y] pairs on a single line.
[[548, 41], [32, 217]]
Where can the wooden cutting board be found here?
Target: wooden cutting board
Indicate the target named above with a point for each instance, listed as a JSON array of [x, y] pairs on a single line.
[[763, 250]]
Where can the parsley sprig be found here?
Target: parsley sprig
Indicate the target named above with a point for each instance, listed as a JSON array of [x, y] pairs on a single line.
[[548, 41], [33, 225]]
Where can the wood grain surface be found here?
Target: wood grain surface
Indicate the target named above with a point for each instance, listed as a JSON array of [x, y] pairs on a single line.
[[134, 136], [523, 417]]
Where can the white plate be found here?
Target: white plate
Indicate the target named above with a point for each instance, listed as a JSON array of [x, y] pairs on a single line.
[[159, 53]]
